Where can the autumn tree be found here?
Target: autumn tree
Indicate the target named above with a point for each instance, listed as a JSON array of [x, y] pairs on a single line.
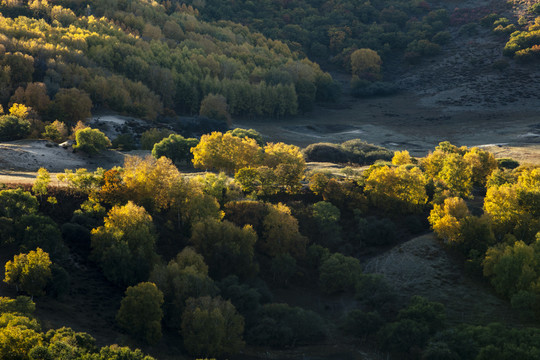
[[124, 246], [397, 189], [35, 96], [140, 312], [288, 164], [366, 63], [30, 272], [445, 219], [514, 207], [401, 158], [91, 141], [225, 152], [456, 175], [482, 164], [56, 131], [280, 233], [154, 183], [211, 327]]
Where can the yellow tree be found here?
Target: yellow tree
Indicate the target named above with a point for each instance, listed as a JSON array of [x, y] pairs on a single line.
[[401, 158], [124, 246], [156, 184], [482, 164], [288, 163], [30, 272], [397, 189], [456, 175], [281, 234], [445, 219], [225, 152], [366, 63]]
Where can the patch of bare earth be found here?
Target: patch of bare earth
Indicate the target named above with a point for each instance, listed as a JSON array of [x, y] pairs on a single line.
[[422, 266]]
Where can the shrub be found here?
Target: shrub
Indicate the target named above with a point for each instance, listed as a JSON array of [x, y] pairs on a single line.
[[13, 128], [91, 141], [325, 152], [507, 163]]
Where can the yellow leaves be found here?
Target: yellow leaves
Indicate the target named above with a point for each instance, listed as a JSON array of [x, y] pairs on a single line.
[[281, 235], [397, 188], [445, 219], [19, 110], [153, 181], [225, 152], [401, 158], [366, 63], [29, 271]]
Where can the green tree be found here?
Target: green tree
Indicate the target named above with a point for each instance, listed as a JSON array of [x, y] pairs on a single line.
[[91, 141], [339, 273], [16, 203], [183, 277], [71, 105], [511, 268], [212, 327], [124, 246], [30, 272], [140, 312], [43, 179], [13, 128], [227, 248], [175, 147], [215, 107], [117, 352], [250, 133]]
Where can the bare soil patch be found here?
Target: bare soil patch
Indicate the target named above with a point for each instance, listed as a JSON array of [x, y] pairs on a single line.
[[422, 266]]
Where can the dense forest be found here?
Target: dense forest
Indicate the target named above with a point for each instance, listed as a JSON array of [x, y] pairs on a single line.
[[201, 259], [143, 61], [225, 245]]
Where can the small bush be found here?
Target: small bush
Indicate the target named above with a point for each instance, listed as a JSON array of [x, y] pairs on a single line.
[[91, 141], [507, 163]]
